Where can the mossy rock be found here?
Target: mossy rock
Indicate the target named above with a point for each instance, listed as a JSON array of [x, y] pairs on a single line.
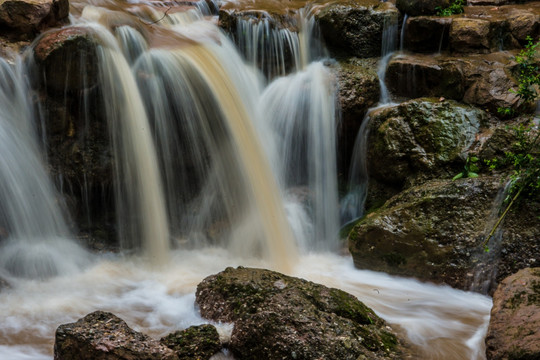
[[196, 342], [281, 317]]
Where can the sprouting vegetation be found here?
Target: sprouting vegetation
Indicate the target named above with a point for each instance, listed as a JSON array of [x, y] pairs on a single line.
[[470, 170], [523, 158], [456, 7]]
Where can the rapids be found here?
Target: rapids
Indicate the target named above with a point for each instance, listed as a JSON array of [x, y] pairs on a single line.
[[166, 69]]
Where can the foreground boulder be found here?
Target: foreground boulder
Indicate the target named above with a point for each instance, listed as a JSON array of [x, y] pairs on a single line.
[[195, 342], [433, 231], [101, 335], [515, 318], [280, 317]]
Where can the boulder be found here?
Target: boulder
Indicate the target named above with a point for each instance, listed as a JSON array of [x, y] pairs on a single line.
[[29, 16], [421, 7], [358, 91], [196, 342], [515, 318], [420, 139], [481, 80], [356, 28], [427, 34], [67, 60], [523, 23], [101, 335], [470, 35], [433, 232], [280, 317]]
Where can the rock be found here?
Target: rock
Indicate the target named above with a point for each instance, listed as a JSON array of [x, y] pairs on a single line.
[[356, 28], [423, 138], [67, 60], [515, 318], [421, 7], [101, 335], [359, 90], [280, 317], [427, 34], [469, 35], [195, 342], [481, 80], [523, 23], [4, 284], [433, 231], [421, 75], [29, 16]]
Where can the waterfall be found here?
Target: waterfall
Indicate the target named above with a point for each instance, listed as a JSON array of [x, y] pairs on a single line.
[[352, 204], [34, 234]]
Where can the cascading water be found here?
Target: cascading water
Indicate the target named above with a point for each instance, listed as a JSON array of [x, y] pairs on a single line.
[[203, 144], [34, 240], [352, 204]]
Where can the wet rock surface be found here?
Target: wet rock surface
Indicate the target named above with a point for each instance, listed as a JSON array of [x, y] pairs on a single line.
[[280, 317], [483, 81], [515, 318], [359, 90], [432, 231], [25, 17], [421, 7], [420, 139], [356, 28], [101, 335], [195, 342]]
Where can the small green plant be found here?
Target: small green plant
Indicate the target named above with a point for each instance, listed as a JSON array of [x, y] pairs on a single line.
[[470, 170], [523, 159], [455, 7]]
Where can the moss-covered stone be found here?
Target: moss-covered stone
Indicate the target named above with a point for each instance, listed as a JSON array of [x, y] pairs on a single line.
[[423, 138], [194, 343], [430, 231], [281, 317]]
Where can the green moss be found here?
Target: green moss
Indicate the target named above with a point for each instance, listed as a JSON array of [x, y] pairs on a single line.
[[394, 259], [349, 307]]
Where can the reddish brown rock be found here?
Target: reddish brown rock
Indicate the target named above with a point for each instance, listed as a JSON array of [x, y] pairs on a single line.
[[421, 7], [103, 336], [427, 33], [27, 16], [67, 59], [481, 80], [515, 318]]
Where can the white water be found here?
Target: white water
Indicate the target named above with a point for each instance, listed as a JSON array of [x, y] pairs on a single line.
[[241, 181], [443, 321]]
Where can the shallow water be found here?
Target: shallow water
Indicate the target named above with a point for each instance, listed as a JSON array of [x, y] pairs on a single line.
[[442, 322]]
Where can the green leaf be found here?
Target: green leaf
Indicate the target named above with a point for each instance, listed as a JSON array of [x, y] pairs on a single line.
[[458, 176], [472, 174]]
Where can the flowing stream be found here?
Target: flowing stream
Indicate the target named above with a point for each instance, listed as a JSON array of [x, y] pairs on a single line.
[[205, 133]]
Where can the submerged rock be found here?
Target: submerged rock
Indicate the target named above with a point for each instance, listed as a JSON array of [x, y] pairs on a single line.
[[102, 335], [195, 342], [280, 317], [515, 318], [433, 231]]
